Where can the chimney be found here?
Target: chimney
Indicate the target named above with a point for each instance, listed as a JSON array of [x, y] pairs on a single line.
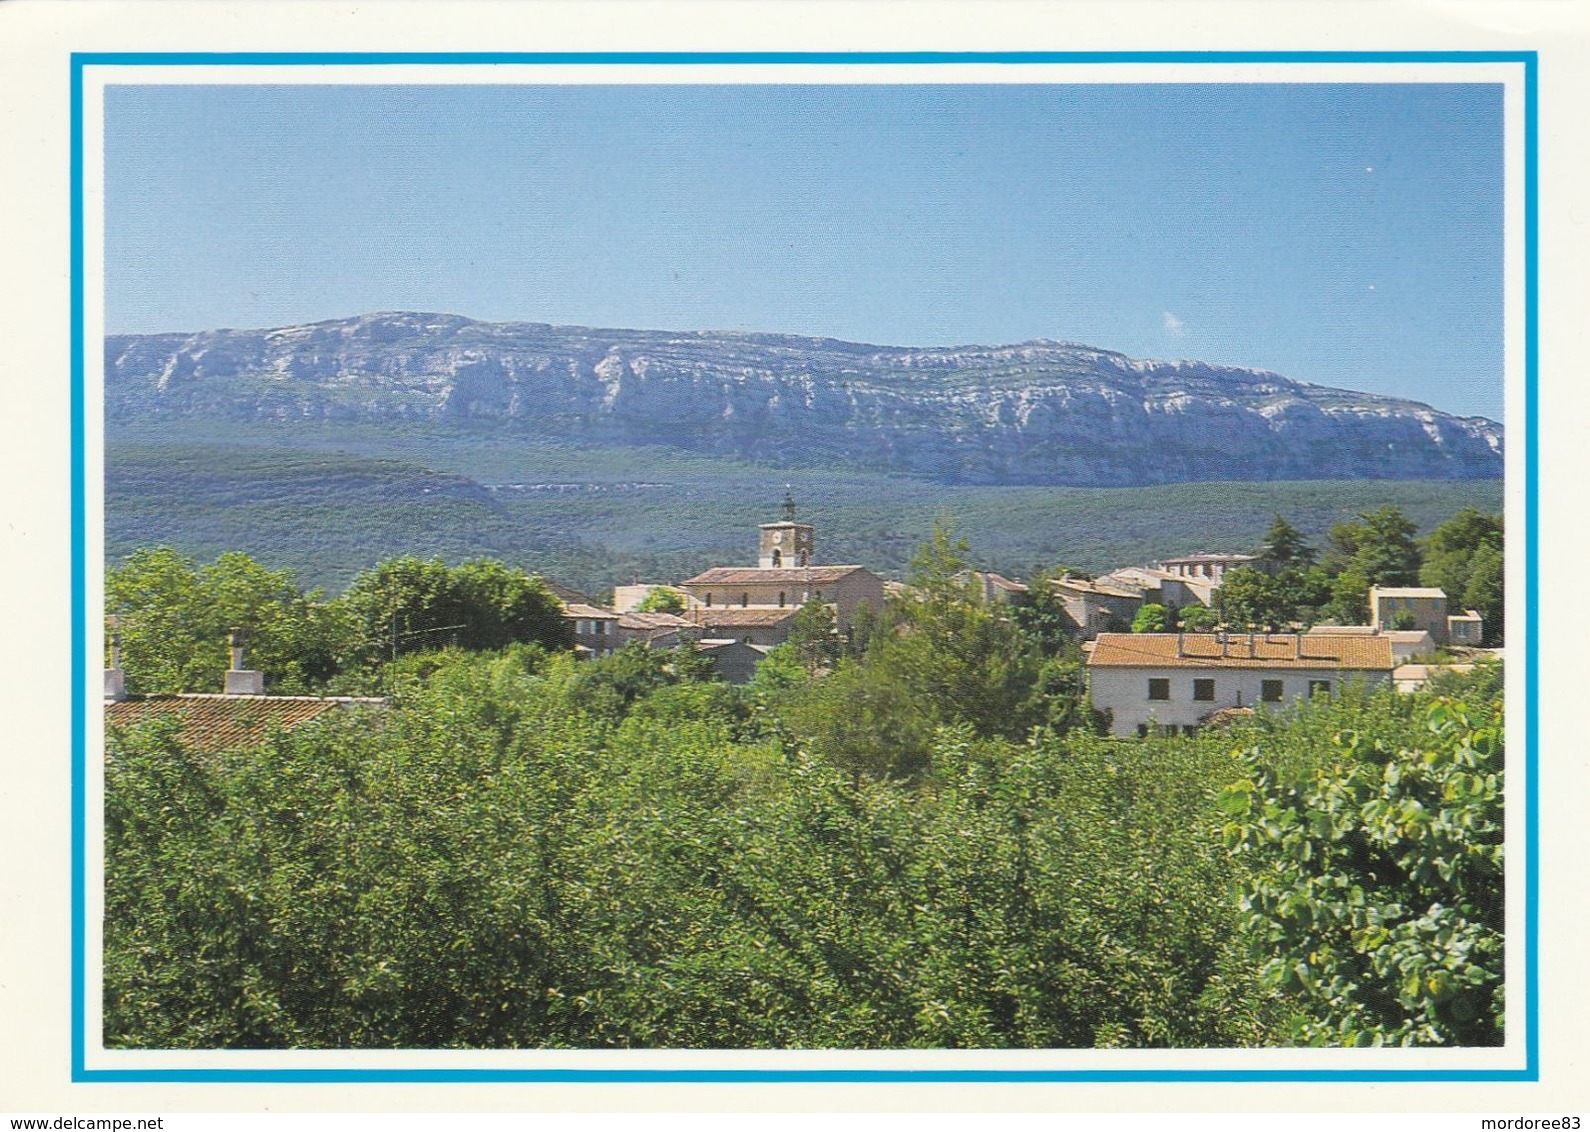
[[239, 680], [1178, 644], [1224, 641], [115, 678], [1297, 646]]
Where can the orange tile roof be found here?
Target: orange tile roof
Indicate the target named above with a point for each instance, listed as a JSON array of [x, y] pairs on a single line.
[[750, 575], [1243, 650], [216, 723]]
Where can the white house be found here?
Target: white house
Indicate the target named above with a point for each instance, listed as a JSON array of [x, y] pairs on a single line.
[[1174, 681]]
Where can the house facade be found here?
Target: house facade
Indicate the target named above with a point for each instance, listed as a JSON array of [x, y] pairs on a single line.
[[1427, 606], [1211, 568], [595, 629], [1094, 607], [1156, 682]]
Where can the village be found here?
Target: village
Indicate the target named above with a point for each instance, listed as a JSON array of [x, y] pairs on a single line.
[[1139, 682], [1142, 681]]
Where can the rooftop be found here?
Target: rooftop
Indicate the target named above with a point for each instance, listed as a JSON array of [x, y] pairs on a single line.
[[1210, 557], [751, 575], [589, 612], [742, 617], [212, 723], [1242, 650], [652, 621], [1081, 585], [1407, 591]]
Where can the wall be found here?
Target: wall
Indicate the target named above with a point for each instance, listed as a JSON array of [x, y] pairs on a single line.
[[1124, 691]]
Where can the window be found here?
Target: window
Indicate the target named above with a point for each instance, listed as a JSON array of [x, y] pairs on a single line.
[[709, 601], [1319, 688], [1189, 729], [1204, 690], [777, 558], [1142, 731], [599, 626], [1270, 691], [1159, 688], [745, 600], [781, 599]]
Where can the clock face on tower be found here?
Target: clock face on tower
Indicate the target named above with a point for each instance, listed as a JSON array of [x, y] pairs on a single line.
[[778, 537]]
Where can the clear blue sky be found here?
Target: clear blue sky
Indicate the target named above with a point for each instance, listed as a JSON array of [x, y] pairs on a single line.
[[1341, 234]]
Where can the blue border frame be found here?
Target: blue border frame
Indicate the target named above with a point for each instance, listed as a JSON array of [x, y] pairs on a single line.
[[1531, 1069]]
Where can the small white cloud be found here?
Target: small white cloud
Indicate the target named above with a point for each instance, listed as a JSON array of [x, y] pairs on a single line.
[[1174, 325]]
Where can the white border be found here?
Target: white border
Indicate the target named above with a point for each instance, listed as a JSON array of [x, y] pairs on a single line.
[[1509, 75]]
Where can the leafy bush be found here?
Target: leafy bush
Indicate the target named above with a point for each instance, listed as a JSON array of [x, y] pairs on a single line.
[[1376, 893]]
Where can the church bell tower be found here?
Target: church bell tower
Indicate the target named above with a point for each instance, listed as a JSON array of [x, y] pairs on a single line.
[[785, 544]]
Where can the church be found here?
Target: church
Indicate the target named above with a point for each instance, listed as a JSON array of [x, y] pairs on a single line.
[[757, 604]]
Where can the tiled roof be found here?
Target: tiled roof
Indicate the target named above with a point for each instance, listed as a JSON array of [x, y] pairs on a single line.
[[750, 575], [589, 612], [215, 723], [742, 617], [999, 581], [1408, 591], [1243, 650], [1086, 587], [1398, 636], [652, 621]]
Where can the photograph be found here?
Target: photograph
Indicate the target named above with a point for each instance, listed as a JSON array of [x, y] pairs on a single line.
[[800, 557]]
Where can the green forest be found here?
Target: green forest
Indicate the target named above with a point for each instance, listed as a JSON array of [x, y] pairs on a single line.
[[329, 500], [913, 836]]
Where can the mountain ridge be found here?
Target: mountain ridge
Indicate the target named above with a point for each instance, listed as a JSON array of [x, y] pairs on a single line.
[[1036, 412]]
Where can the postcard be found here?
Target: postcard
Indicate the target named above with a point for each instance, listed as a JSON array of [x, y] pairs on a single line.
[[794, 550]]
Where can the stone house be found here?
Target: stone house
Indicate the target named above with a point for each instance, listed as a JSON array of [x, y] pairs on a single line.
[[1211, 568], [595, 629], [1162, 587], [1094, 607], [1174, 681], [991, 588], [1427, 605]]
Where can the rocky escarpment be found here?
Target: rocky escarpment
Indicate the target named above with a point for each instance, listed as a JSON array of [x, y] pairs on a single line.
[[1035, 412]]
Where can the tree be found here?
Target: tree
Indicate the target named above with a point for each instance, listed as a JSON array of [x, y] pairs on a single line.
[[1484, 592], [407, 604], [1251, 597], [174, 618], [1151, 618], [1375, 893], [1378, 546], [662, 599], [1464, 557], [1307, 591], [936, 657], [1349, 601], [1283, 543], [1197, 618], [812, 635]]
